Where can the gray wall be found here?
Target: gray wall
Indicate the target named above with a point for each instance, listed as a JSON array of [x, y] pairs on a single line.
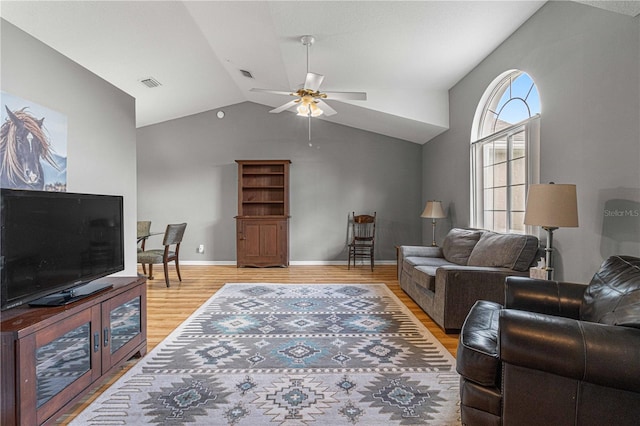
[[101, 155], [187, 172], [585, 62]]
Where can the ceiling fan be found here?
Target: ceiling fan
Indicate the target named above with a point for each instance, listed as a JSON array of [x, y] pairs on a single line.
[[309, 100]]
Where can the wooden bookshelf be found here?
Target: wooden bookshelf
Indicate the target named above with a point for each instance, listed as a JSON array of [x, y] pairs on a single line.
[[263, 213]]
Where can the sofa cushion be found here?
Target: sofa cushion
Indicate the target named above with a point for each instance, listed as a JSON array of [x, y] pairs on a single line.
[[425, 277], [459, 243], [513, 251], [613, 295], [409, 263], [423, 270]]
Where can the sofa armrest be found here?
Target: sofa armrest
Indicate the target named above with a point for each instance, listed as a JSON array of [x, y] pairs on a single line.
[[459, 287], [546, 297], [605, 355]]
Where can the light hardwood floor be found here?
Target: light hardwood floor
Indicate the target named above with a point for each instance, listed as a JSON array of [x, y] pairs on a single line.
[[169, 307]]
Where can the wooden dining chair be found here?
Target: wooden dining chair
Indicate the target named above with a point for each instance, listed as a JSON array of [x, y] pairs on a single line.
[[172, 238], [143, 231], [363, 233]]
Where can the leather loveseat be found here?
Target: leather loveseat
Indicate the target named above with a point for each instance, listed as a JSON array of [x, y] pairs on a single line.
[[471, 265], [556, 354]]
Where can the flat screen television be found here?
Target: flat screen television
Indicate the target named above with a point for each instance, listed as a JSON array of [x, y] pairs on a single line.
[[54, 244]]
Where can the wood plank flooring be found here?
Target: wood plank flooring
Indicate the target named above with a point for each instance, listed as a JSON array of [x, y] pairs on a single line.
[[169, 307]]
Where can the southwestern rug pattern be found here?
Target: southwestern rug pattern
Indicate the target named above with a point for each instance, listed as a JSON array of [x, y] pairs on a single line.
[[290, 354]]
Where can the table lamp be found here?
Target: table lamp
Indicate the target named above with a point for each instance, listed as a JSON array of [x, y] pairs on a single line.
[[551, 206], [433, 210]]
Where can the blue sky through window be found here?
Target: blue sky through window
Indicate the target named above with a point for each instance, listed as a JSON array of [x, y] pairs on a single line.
[[512, 106]]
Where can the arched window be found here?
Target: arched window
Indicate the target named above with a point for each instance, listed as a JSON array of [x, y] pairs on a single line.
[[504, 152]]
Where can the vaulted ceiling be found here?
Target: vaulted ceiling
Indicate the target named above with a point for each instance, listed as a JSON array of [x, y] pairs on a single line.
[[405, 54]]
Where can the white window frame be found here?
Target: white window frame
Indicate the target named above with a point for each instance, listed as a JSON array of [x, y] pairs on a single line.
[[531, 129]]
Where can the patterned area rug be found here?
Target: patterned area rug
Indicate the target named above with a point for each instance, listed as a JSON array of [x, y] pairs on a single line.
[[290, 354]]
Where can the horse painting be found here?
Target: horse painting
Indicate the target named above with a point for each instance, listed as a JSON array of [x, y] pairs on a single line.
[[23, 144]]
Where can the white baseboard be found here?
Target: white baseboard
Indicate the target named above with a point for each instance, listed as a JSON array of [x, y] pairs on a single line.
[[292, 263], [337, 262]]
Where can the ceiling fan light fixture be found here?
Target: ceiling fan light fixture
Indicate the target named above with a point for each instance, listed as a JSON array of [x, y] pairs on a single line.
[[303, 111], [315, 110], [310, 100], [308, 107]]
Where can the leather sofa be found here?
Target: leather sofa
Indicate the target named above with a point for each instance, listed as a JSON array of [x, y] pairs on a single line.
[[557, 353], [471, 265]]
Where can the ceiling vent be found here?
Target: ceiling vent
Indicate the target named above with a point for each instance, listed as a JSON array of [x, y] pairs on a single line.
[[150, 82], [246, 73]]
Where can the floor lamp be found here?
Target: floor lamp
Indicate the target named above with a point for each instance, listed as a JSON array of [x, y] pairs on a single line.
[[551, 206], [433, 210]]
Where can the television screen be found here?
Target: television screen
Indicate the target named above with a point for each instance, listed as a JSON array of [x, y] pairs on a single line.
[[53, 241]]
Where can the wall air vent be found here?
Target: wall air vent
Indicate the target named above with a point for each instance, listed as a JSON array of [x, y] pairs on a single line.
[[150, 82], [246, 73]]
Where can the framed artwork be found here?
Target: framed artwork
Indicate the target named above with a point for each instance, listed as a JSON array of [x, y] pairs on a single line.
[[33, 146]]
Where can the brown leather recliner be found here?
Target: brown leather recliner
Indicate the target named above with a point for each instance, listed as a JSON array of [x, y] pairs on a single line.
[[557, 353]]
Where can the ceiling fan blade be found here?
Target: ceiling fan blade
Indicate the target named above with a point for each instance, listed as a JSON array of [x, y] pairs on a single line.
[[313, 81], [346, 96], [326, 109], [276, 92], [285, 106]]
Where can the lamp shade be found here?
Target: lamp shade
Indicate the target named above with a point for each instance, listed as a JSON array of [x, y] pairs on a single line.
[[552, 205], [433, 210]]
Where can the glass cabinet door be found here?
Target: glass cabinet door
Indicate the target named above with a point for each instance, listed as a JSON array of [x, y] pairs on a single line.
[[125, 321], [66, 357], [62, 361], [123, 326]]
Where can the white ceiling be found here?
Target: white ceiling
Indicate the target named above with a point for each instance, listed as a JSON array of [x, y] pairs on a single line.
[[405, 54]]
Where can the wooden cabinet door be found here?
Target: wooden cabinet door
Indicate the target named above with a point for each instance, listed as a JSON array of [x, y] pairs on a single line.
[[262, 242]]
